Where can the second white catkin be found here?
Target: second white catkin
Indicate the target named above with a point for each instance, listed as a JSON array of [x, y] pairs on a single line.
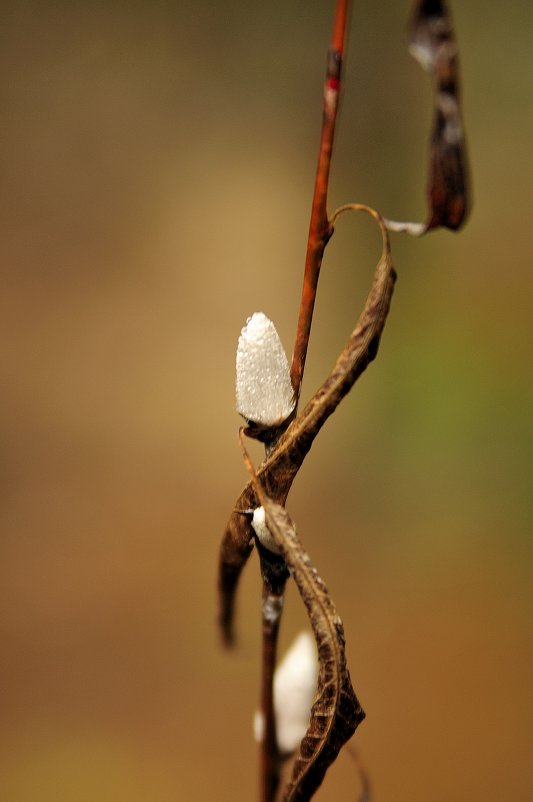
[[295, 685]]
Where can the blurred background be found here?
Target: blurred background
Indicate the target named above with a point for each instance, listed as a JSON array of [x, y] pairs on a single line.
[[157, 170]]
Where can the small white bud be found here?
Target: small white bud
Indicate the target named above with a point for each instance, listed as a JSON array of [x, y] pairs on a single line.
[[262, 531], [295, 685], [263, 388]]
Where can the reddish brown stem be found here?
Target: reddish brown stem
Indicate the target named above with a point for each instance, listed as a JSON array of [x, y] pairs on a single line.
[[270, 761], [319, 227], [275, 575], [319, 234]]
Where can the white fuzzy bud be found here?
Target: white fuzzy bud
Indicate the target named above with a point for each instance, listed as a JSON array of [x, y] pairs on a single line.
[[295, 684], [262, 531], [263, 387]]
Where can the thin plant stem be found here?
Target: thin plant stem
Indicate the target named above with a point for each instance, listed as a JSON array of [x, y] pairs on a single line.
[[319, 233], [275, 574], [319, 226], [270, 758]]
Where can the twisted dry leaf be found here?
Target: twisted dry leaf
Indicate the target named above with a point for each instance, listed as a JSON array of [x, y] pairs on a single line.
[[336, 712], [279, 470]]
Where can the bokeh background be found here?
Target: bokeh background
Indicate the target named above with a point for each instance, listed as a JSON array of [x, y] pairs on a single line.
[[157, 170]]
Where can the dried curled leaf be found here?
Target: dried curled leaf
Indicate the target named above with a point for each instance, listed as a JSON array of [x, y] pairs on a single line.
[[432, 43], [336, 712], [278, 471]]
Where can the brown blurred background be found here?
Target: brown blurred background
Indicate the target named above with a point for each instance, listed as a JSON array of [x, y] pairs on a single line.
[[157, 169]]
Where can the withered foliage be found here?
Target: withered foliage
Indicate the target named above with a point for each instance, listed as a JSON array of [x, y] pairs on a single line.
[[279, 469], [336, 711], [432, 43]]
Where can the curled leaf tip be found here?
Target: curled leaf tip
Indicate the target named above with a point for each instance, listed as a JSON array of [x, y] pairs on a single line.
[[432, 42]]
